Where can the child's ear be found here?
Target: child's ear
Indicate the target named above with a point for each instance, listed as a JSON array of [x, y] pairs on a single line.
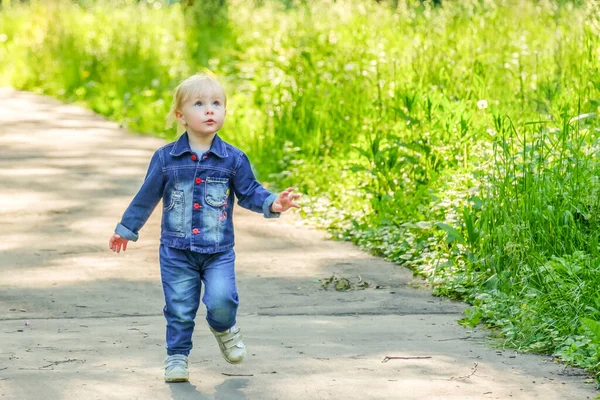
[[179, 117]]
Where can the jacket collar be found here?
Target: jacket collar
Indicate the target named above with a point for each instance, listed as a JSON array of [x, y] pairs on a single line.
[[182, 145]]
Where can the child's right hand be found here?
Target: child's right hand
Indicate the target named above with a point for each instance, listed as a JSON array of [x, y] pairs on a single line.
[[116, 242]]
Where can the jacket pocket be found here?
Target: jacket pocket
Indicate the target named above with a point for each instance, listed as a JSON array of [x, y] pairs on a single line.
[[217, 191], [174, 214]]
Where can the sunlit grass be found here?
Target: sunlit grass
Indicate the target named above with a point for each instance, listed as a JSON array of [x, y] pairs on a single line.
[[441, 138]]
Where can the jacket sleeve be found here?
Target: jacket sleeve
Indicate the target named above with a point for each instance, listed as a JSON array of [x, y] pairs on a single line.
[[251, 194], [144, 202]]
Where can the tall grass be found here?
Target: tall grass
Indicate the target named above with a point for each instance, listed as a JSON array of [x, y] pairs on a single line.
[[458, 140], [535, 258]]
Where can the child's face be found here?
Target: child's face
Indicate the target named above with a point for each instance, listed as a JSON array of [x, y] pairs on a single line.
[[203, 114]]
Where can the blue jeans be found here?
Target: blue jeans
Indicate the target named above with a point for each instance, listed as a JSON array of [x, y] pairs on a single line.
[[182, 273]]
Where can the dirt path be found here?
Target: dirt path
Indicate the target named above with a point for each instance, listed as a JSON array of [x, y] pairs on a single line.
[[96, 329]]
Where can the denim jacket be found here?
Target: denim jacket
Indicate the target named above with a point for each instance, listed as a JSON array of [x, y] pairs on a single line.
[[197, 191]]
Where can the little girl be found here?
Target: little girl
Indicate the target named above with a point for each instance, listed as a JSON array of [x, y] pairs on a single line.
[[196, 177]]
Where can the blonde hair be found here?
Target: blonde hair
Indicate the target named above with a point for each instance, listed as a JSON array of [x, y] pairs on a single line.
[[193, 86]]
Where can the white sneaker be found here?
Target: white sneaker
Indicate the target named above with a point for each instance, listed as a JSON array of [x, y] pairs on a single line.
[[176, 368], [231, 345]]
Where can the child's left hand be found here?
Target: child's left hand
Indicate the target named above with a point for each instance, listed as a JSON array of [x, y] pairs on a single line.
[[285, 201]]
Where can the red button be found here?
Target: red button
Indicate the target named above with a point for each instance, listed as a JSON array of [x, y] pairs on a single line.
[[196, 231], [198, 180], [194, 157], [197, 206]]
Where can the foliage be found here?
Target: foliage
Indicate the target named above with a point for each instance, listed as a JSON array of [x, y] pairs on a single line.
[[442, 138]]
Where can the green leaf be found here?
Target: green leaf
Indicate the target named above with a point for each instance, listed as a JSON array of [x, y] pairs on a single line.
[[342, 284], [593, 326], [491, 283], [364, 153], [453, 234], [472, 317], [358, 168]]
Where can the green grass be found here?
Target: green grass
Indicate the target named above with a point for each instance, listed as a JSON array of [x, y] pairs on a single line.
[[460, 141]]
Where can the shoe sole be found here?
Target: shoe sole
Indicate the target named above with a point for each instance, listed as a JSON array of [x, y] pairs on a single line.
[[177, 379], [233, 362]]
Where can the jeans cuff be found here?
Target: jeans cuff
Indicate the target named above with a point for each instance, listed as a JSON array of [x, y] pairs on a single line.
[[182, 352], [125, 233], [267, 207]]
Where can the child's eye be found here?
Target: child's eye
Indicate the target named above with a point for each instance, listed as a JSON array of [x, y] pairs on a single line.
[[217, 103], [198, 103]]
